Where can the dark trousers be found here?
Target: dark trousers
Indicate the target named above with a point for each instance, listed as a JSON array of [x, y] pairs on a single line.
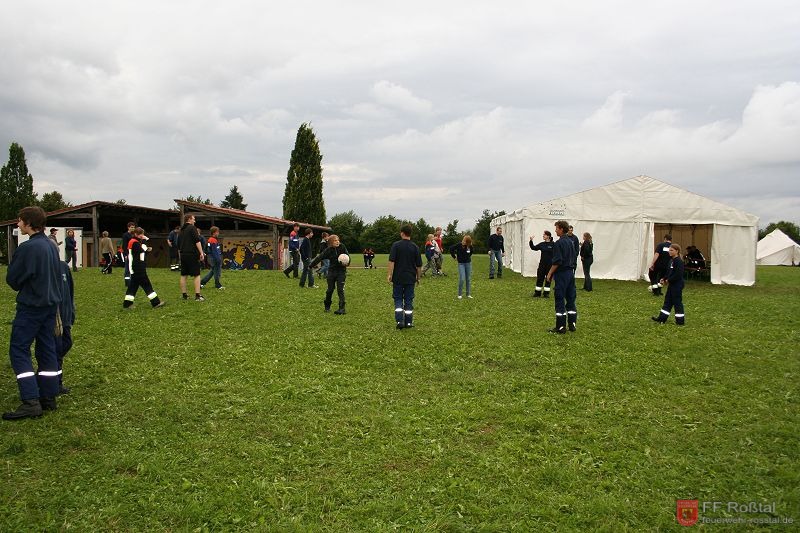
[[127, 277], [294, 266], [335, 281], [307, 274], [109, 263], [673, 298], [216, 272], [63, 345], [71, 256], [541, 279], [587, 277], [403, 295], [565, 294], [35, 323], [656, 275], [143, 282]]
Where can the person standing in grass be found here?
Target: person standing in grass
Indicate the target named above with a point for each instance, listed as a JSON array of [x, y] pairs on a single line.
[[587, 258], [66, 319], [462, 252], [54, 238], [496, 253], [305, 256], [439, 259], [294, 251], [545, 261], [674, 296], [71, 250], [191, 254], [337, 272], [172, 242], [429, 248], [565, 257], [107, 251], [322, 271], [404, 268], [126, 238], [136, 258], [214, 260], [35, 273], [659, 265]]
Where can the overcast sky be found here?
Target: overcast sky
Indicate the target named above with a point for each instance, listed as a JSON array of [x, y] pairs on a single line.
[[422, 109]]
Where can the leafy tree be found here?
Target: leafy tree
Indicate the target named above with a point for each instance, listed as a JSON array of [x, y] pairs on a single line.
[[451, 235], [789, 228], [482, 230], [349, 227], [234, 200], [196, 199], [16, 189], [302, 198], [53, 201], [420, 233], [121, 201], [382, 233]]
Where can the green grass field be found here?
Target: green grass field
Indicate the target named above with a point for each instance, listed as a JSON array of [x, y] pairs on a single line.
[[255, 410]]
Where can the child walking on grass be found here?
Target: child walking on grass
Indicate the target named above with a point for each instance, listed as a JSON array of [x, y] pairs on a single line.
[[674, 296], [138, 269]]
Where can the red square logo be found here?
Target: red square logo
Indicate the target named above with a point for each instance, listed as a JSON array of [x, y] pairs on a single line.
[[687, 512]]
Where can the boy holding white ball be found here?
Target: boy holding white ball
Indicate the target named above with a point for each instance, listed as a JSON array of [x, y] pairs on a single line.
[[337, 272]]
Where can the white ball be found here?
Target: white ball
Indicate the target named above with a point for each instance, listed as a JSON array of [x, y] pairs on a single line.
[[344, 259]]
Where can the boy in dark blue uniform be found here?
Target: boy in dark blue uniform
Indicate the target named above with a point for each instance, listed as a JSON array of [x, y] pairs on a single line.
[[294, 252], [136, 258], [565, 259], [659, 266], [66, 315], [674, 296], [35, 272], [405, 266], [545, 262]]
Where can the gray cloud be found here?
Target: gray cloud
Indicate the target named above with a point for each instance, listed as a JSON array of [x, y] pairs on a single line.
[[435, 110]]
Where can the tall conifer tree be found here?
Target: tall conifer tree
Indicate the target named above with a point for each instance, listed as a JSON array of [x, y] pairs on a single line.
[[302, 198], [16, 189], [234, 200]]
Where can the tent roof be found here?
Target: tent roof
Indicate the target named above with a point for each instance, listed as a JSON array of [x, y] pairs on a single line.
[[773, 242], [639, 198]]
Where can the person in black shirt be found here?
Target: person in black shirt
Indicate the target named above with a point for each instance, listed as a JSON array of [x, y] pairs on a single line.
[[587, 258], [674, 296], [191, 254], [575, 242], [545, 260], [565, 257], [404, 269], [660, 264], [462, 252], [337, 272], [496, 253]]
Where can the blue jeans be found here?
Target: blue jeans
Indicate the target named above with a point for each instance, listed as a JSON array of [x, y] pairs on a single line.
[[495, 256], [307, 275], [323, 270], [35, 323], [464, 275], [403, 295], [216, 271]]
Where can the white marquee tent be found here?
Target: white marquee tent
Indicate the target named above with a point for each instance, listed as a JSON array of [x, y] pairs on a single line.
[[777, 248], [627, 218]]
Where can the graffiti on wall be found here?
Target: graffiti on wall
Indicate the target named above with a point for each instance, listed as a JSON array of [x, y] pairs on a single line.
[[241, 254]]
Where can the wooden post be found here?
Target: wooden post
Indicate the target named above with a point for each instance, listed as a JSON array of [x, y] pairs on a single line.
[[96, 232]]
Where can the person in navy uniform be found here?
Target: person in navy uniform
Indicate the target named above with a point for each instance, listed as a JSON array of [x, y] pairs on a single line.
[[294, 252], [136, 258], [587, 258], [575, 242], [565, 259], [497, 251], [35, 273], [66, 314], [545, 261], [660, 264], [674, 296], [404, 270]]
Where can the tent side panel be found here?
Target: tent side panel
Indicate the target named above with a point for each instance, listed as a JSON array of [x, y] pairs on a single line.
[[733, 255]]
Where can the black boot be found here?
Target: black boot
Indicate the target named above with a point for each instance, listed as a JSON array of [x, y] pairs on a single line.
[[339, 311], [27, 409], [48, 404], [561, 325]]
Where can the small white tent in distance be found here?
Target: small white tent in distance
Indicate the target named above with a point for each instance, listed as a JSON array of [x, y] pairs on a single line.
[[777, 248], [627, 219]]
